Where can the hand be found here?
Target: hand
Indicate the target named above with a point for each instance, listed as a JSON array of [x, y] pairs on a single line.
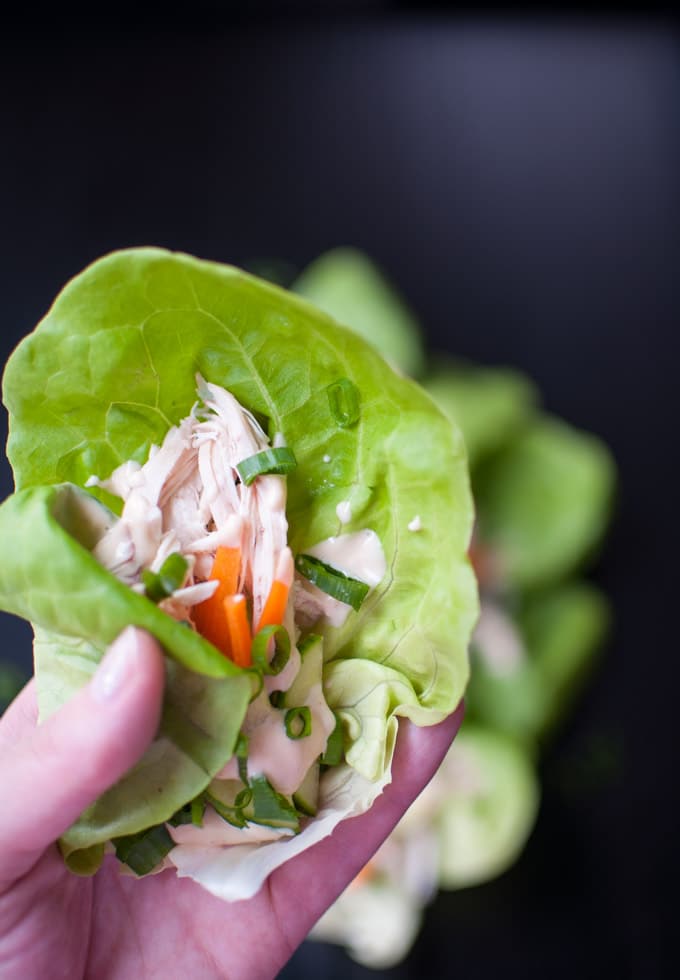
[[54, 924]]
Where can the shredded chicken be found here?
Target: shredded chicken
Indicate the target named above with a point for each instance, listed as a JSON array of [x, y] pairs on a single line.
[[188, 497]]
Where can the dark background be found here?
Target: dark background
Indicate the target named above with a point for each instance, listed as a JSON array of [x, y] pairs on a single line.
[[517, 176]]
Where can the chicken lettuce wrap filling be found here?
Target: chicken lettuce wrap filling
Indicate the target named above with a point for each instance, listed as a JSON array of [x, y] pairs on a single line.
[[203, 532]]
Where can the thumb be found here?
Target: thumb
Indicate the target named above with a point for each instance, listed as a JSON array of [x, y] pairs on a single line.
[[50, 776]]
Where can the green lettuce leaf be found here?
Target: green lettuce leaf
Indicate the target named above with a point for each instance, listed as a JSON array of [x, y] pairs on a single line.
[[346, 284], [199, 726], [78, 608], [490, 405], [50, 577], [113, 365], [562, 630], [544, 501], [490, 809]]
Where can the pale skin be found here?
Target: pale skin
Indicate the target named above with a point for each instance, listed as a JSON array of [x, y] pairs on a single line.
[[109, 927]]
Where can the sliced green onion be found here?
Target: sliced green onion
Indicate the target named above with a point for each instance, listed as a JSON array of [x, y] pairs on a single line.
[[182, 816], [298, 722], [190, 813], [241, 753], [334, 746], [343, 398], [332, 581], [197, 811], [278, 459], [260, 647], [271, 808], [243, 798], [161, 584], [231, 814], [276, 698], [258, 681], [144, 851]]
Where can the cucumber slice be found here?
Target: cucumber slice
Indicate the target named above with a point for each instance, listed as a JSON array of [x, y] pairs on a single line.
[[306, 797]]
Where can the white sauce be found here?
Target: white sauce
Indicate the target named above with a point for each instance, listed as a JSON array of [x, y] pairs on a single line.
[[359, 555], [283, 760], [416, 524], [215, 830], [311, 604]]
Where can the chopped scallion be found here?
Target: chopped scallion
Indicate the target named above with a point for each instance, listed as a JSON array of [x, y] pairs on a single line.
[[144, 851], [243, 798], [270, 808], [190, 813], [298, 722], [332, 581], [334, 746], [197, 811], [161, 584], [231, 814], [278, 459], [241, 753], [260, 648], [182, 816]]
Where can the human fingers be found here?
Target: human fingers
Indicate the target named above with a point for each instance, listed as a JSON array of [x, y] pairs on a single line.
[[318, 876], [20, 717], [52, 774]]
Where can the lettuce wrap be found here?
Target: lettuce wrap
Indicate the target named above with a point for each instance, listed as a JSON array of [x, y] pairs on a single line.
[[134, 355]]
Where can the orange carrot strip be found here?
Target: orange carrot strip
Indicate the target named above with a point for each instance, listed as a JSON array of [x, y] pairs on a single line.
[[240, 637], [275, 606], [226, 568], [209, 616]]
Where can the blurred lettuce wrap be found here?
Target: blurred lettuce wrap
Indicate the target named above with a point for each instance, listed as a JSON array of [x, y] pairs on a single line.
[[349, 286], [148, 349], [468, 826], [491, 405], [544, 501]]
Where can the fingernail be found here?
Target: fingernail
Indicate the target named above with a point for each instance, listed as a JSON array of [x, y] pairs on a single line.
[[117, 666]]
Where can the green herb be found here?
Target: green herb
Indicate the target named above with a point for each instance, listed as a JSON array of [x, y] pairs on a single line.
[[232, 814], [298, 722], [243, 798], [241, 753], [343, 399], [260, 646], [181, 816], [332, 581], [159, 585], [144, 851], [198, 811], [271, 808], [279, 459], [334, 746]]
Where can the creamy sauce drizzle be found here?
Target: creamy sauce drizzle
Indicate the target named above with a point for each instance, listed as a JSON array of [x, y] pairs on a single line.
[[359, 555]]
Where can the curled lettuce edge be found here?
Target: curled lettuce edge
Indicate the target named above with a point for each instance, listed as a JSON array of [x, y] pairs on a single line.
[[278, 355]]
